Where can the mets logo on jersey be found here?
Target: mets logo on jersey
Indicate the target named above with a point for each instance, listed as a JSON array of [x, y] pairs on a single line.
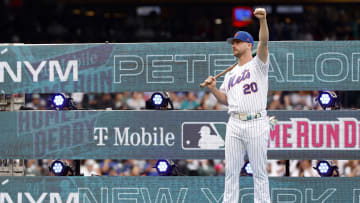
[[203, 135]]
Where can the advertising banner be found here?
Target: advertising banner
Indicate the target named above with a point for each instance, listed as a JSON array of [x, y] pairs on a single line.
[[179, 66], [170, 135]]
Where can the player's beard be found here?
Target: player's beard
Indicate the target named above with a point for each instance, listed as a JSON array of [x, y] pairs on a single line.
[[237, 53]]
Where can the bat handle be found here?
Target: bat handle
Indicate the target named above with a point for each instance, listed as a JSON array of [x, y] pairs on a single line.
[[219, 75]]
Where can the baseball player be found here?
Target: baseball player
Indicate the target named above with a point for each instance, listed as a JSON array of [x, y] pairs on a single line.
[[244, 91]]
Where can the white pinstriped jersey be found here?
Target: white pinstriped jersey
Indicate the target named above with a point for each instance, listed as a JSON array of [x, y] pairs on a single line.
[[246, 87]]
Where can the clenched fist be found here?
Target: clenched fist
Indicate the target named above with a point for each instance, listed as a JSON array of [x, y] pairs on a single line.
[[210, 82], [260, 13]]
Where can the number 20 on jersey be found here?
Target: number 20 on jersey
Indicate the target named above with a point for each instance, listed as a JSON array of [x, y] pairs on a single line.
[[249, 88]]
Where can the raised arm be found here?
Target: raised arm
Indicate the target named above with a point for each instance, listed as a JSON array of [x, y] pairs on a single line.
[[262, 49]]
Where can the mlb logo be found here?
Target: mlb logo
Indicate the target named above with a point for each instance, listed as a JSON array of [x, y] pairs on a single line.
[[203, 135]]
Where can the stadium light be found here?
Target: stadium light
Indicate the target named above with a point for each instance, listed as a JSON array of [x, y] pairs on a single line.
[[58, 168], [163, 167], [58, 100], [167, 168], [327, 99], [159, 101], [325, 169], [247, 170]]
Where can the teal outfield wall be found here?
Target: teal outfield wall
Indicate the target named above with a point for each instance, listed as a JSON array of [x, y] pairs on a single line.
[[169, 135], [172, 189], [294, 65]]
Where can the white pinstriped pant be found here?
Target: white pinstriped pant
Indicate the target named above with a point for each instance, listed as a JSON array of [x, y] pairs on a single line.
[[251, 137]]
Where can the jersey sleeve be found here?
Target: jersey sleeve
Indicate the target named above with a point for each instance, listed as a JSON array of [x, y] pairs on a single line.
[[264, 67]]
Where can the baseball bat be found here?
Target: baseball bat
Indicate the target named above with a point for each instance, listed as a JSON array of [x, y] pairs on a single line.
[[219, 75]]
